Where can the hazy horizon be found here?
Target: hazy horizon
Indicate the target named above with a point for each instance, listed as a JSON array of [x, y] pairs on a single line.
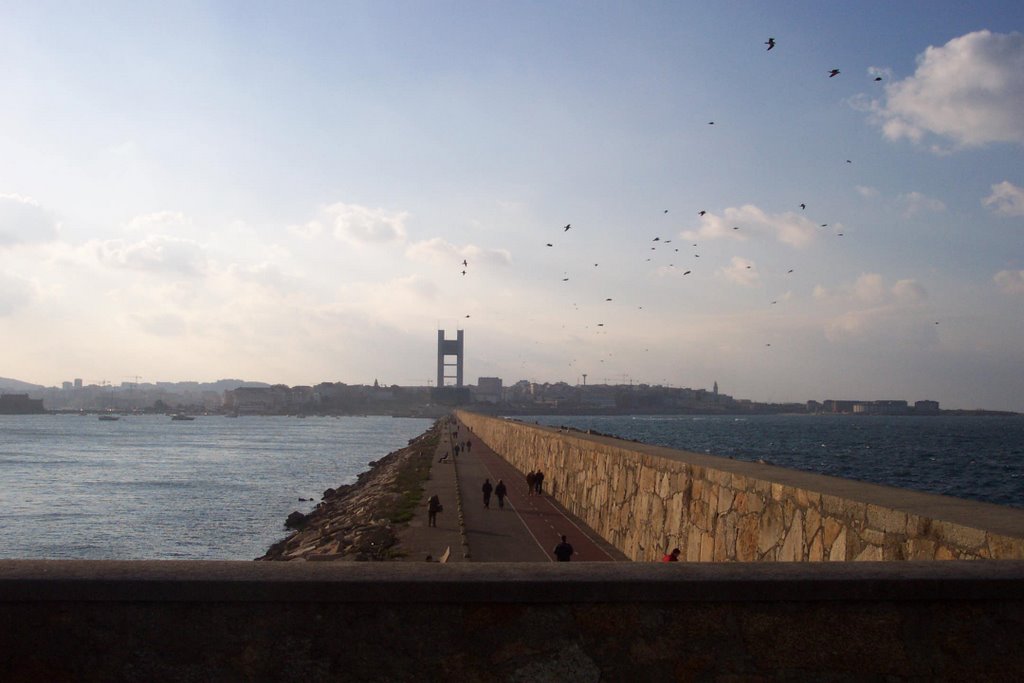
[[290, 192]]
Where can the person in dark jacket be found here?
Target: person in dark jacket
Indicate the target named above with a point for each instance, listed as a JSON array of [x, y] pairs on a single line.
[[564, 551], [538, 480], [501, 491], [433, 507], [487, 488]]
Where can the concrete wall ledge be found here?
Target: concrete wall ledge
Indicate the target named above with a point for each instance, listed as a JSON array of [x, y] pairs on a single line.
[[390, 583]]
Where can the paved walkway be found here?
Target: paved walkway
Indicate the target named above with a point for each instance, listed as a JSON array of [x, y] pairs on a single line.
[[526, 530]]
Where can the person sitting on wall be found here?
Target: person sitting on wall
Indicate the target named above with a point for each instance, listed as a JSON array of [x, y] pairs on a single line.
[[672, 556]]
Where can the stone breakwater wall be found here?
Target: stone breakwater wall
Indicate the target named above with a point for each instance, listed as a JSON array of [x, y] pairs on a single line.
[[647, 499], [356, 522]]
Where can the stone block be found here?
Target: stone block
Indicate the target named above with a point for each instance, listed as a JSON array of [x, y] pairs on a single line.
[[707, 547], [725, 498], [693, 546], [872, 537], [778, 491], [945, 553], [746, 538], [770, 528], [920, 549], [816, 549], [792, 548], [1005, 547], [831, 527], [812, 522], [870, 553], [837, 549], [886, 519], [959, 536]]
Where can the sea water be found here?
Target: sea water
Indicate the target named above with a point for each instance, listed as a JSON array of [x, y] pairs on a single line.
[[975, 457], [147, 487]]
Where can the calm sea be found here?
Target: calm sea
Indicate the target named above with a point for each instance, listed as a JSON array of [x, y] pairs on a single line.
[[981, 458], [146, 487]]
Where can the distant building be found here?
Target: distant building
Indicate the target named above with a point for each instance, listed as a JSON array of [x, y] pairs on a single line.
[[78, 383], [926, 407], [488, 389], [20, 404]]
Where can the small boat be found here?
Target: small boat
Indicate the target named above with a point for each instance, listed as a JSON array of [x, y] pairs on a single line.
[[181, 416], [109, 418]]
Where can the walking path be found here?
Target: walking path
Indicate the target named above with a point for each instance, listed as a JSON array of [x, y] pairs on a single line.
[[526, 530]]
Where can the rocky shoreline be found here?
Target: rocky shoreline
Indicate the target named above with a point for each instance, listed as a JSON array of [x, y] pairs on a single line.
[[359, 522]]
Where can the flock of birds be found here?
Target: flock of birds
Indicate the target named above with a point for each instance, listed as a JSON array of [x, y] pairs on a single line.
[[773, 300]]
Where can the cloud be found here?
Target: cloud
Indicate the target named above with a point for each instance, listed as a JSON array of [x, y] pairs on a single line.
[[156, 253], [741, 271], [866, 192], [437, 251], [969, 91], [789, 228], [876, 310], [1006, 199], [915, 203], [361, 224], [1010, 281], [23, 220]]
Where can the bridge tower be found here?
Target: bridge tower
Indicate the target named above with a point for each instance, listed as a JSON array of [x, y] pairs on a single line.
[[445, 348]]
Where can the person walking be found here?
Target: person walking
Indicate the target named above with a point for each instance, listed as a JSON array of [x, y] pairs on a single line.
[[564, 551], [487, 488], [500, 491], [433, 507], [538, 480], [531, 482]]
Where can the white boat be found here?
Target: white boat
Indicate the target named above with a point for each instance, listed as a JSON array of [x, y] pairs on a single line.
[[181, 416]]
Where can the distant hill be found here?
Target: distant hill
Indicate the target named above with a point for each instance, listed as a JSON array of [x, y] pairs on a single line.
[[17, 386]]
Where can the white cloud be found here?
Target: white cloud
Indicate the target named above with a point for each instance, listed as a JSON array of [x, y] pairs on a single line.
[[909, 291], [156, 253], [737, 222], [877, 311], [1010, 281], [866, 192], [360, 224], [1006, 199], [915, 203], [969, 91], [24, 220], [437, 251], [741, 271]]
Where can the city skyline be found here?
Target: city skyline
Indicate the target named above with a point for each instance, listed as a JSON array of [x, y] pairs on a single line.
[[644, 192]]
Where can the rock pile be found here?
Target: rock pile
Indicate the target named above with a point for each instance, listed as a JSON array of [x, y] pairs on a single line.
[[357, 522]]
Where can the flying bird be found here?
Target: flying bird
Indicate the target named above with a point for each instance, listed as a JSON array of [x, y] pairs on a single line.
[[878, 78], [687, 272], [803, 206], [607, 299], [656, 239], [463, 272], [464, 262], [711, 123], [566, 228], [833, 73], [550, 245], [770, 43], [701, 213]]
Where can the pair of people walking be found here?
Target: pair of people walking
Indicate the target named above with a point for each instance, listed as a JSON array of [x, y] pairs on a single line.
[[534, 482], [500, 491]]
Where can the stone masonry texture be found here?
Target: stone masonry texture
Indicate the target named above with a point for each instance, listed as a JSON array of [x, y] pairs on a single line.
[[646, 500]]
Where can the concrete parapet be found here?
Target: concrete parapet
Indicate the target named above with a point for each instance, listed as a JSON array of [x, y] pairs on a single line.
[[647, 499], [313, 621]]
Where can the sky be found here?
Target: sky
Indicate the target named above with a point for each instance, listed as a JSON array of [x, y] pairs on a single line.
[[287, 192]]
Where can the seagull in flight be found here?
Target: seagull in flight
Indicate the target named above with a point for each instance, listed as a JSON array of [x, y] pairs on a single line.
[[701, 213], [566, 228], [803, 206], [833, 73], [770, 43]]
